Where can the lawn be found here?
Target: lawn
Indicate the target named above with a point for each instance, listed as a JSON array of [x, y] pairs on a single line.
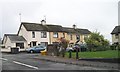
[[98, 54]]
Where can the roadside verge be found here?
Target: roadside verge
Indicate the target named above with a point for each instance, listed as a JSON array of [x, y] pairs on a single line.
[[78, 62]]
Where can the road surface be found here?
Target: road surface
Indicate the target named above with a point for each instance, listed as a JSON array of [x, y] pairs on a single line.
[[26, 61]]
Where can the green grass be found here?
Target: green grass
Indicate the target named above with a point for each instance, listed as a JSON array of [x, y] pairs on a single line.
[[97, 54]]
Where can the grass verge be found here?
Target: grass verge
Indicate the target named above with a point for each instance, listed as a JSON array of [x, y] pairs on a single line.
[[97, 54]]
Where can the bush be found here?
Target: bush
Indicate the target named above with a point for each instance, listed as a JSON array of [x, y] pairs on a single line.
[[97, 42], [115, 47], [112, 47]]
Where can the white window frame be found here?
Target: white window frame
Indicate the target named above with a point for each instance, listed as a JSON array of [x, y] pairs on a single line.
[[43, 34], [33, 34]]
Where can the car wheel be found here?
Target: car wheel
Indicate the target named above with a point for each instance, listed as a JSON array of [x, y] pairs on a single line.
[[31, 51]]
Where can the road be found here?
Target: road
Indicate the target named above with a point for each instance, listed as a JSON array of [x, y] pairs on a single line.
[[26, 61]]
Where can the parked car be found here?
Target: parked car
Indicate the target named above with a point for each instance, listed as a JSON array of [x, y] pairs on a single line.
[[36, 49], [81, 47], [75, 47], [69, 49]]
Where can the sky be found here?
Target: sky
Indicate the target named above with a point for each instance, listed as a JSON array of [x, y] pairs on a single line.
[[94, 15]]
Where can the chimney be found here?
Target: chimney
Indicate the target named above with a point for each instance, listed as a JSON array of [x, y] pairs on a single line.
[[74, 26], [43, 22]]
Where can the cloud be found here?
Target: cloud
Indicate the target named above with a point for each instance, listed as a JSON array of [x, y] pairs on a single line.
[[91, 14]]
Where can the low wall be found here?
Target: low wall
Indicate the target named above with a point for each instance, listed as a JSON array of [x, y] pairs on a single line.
[[9, 50]]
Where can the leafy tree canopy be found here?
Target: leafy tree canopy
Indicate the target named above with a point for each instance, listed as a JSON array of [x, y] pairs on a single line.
[[96, 40]]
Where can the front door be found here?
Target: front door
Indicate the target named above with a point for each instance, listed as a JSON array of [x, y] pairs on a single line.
[[34, 43]]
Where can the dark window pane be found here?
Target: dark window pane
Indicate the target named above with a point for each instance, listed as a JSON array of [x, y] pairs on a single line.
[[33, 34], [77, 37], [55, 35], [34, 43]]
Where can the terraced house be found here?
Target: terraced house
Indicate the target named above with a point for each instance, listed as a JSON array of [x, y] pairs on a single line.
[[116, 35], [34, 34]]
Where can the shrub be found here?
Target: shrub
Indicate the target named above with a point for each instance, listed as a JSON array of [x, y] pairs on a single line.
[[97, 42], [115, 47]]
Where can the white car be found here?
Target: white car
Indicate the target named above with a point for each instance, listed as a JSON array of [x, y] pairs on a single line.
[[69, 49]]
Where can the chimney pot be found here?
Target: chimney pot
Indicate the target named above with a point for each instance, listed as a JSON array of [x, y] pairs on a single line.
[[43, 22], [74, 26]]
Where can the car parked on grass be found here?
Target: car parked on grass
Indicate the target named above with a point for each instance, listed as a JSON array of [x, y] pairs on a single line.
[[36, 49], [68, 49]]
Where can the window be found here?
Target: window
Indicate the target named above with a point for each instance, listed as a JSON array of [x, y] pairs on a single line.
[[33, 34], [70, 36], [55, 35], [63, 35], [116, 36], [43, 35], [77, 37], [34, 43]]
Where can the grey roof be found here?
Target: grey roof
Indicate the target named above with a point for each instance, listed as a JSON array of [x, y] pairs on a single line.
[[52, 28], [40, 27], [80, 31], [55, 28], [34, 27], [15, 37], [69, 30], [83, 31], [116, 30]]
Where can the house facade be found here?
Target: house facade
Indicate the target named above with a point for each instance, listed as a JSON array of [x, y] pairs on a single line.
[[116, 35], [33, 35], [74, 34], [41, 33], [13, 40]]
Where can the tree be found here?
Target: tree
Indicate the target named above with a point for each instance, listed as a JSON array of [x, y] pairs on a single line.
[[63, 45], [96, 42]]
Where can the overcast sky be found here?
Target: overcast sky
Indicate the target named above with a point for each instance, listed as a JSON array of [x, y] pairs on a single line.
[[100, 15]]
